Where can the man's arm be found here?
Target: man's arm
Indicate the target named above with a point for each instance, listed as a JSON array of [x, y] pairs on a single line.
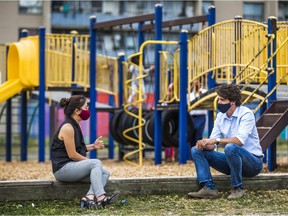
[[222, 142], [245, 127]]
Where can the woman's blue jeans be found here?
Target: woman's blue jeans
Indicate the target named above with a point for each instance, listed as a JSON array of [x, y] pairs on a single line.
[[236, 161]]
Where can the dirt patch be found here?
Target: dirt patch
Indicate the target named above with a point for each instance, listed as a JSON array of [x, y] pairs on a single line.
[[32, 170]]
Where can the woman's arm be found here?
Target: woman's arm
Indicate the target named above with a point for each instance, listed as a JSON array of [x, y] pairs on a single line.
[[67, 135]]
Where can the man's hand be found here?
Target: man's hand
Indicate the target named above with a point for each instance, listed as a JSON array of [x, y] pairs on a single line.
[[209, 141], [207, 144], [200, 145]]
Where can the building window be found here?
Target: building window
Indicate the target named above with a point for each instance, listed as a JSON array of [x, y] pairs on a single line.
[[30, 6], [283, 11], [253, 11], [97, 6], [187, 9], [76, 6]]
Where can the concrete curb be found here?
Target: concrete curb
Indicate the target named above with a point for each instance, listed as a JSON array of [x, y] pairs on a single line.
[[53, 190]]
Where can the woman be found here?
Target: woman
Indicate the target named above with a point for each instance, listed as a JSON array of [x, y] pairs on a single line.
[[68, 154]]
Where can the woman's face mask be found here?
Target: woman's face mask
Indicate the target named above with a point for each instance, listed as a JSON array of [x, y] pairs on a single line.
[[85, 114], [223, 107]]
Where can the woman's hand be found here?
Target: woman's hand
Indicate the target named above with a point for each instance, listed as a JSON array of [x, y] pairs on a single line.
[[98, 144]]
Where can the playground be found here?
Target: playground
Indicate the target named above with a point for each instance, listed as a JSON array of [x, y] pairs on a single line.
[[250, 54]]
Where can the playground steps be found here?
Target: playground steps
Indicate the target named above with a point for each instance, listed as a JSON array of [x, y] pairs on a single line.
[[53, 190], [272, 122]]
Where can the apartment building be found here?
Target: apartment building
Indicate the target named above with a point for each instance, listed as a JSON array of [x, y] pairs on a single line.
[[64, 16], [23, 14]]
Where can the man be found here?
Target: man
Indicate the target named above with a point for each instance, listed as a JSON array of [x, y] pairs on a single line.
[[234, 130]]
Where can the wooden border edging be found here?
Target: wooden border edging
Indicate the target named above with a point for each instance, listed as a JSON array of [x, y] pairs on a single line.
[[53, 190]]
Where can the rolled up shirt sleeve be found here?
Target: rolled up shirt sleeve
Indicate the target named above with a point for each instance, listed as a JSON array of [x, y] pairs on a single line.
[[246, 126]]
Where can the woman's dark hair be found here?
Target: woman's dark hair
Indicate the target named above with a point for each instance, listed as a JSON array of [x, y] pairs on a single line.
[[72, 103], [230, 92]]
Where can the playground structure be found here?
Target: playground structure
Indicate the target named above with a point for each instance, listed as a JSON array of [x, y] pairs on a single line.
[[235, 51]]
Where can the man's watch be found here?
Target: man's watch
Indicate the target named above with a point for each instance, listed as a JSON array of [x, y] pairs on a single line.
[[218, 141]]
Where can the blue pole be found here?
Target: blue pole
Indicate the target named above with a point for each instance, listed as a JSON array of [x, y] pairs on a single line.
[[272, 29], [183, 97], [8, 125], [8, 130], [121, 59], [110, 138], [211, 18], [41, 94], [141, 37], [23, 148], [157, 113], [93, 93]]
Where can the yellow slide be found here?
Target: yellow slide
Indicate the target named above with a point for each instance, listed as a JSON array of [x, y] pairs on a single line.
[[9, 89], [22, 67]]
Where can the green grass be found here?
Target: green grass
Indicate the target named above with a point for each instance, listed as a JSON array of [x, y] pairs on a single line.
[[253, 203]]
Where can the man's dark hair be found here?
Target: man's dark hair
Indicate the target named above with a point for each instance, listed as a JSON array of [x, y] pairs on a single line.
[[230, 92]]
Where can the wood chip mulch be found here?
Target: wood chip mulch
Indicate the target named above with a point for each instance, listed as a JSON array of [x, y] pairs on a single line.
[[32, 170]]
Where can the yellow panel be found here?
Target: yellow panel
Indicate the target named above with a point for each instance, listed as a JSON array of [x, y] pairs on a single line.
[[13, 62], [32, 72], [23, 61], [59, 60]]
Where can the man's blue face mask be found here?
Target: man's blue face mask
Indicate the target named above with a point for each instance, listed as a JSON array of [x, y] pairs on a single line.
[[223, 107]]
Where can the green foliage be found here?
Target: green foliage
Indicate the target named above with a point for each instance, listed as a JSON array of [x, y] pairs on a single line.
[[253, 203]]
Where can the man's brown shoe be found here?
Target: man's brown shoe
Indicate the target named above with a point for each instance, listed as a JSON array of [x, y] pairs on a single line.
[[204, 193], [236, 194]]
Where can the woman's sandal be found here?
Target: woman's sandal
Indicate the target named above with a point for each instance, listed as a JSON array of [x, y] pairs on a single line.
[[88, 203], [108, 200]]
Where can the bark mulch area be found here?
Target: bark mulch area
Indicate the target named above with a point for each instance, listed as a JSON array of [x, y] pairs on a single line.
[[32, 170]]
